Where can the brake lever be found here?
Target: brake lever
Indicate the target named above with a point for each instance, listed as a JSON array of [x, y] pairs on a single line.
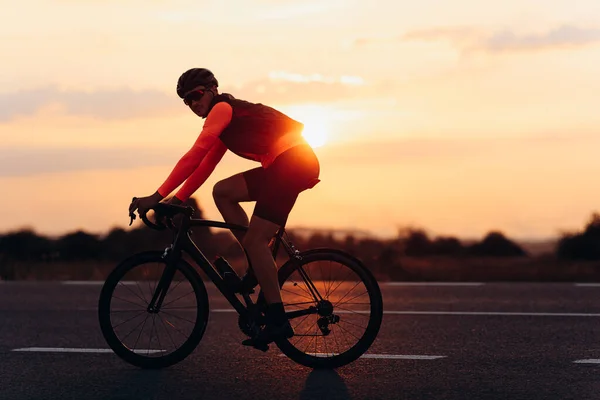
[[132, 216], [131, 213]]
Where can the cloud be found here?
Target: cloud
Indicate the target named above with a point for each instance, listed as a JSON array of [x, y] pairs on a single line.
[[300, 78], [105, 104], [564, 36], [291, 9], [474, 39], [23, 161], [283, 87], [120, 104], [454, 34], [433, 151], [459, 36]]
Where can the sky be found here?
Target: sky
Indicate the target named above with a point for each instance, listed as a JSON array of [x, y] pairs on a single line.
[[458, 117]]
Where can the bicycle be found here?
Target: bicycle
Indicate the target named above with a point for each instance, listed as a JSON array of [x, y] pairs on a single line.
[[309, 300]]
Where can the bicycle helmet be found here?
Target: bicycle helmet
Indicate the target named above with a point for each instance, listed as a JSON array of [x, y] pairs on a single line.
[[195, 77]]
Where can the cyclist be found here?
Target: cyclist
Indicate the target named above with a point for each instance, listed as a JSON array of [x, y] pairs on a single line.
[[288, 166]]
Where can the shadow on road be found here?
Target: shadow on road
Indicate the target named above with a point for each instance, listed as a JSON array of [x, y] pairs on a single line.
[[324, 384]]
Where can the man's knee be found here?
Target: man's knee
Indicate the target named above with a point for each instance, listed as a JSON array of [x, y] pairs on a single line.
[[222, 191], [232, 189]]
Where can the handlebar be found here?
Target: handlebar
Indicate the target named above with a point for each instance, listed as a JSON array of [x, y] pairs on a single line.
[[163, 210]]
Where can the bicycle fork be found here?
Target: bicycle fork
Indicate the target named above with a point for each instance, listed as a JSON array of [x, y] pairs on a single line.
[[164, 283]]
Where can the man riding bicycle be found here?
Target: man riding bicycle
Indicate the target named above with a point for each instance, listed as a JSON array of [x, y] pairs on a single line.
[[288, 166]]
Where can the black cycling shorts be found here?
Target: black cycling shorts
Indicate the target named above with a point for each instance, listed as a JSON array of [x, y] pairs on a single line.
[[276, 188]]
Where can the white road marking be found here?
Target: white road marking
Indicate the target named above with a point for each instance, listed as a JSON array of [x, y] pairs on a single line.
[[94, 283], [78, 350], [487, 313], [595, 284], [382, 356], [431, 283], [588, 361], [381, 283], [81, 350], [401, 357], [494, 313]]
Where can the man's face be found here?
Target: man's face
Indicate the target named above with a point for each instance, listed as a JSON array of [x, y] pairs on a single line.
[[198, 100]]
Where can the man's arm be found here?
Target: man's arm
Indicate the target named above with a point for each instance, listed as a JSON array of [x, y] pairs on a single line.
[[216, 121], [201, 174]]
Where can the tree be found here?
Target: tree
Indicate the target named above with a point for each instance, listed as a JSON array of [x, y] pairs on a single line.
[[24, 245], [495, 244], [581, 246]]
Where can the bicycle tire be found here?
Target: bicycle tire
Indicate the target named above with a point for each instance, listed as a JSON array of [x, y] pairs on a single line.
[[376, 309], [104, 315]]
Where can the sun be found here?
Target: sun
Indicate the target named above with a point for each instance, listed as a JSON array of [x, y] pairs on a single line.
[[315, 133], [317, 122], [316, 125]]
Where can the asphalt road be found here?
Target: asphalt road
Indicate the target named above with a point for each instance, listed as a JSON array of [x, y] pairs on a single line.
[[471, 341]]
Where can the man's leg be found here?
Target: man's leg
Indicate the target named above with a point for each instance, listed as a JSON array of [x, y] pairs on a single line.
[[227, 194], [256, 243]]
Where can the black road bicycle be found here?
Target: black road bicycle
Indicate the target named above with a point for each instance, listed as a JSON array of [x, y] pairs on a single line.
[[153, 307]]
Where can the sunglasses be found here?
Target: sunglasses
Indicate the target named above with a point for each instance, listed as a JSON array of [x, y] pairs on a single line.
[[193, 96]]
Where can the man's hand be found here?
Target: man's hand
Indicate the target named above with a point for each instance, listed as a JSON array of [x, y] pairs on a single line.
[[175, 201], [143, 204], [177, 219]]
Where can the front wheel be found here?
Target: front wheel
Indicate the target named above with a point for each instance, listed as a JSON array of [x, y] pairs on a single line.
[[335, 307], [145, 335]]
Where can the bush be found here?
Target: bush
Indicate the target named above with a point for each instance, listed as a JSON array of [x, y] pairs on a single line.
[[581, 246]]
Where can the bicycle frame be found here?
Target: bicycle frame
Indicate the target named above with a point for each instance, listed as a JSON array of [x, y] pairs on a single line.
[[184, 243]]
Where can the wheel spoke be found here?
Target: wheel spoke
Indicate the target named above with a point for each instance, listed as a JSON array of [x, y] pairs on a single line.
[[341, 281], [178, 317], [134, 293], [343, 297], [297, 294], [130, 319], [339, 301], [126, 336], [179, 298], [305, 290], [141, 330], [351, 323], [167, 330], [342, 328], [131, 302], [363, 313]]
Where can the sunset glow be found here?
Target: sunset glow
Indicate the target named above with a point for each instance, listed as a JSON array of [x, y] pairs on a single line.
[[471, 118]]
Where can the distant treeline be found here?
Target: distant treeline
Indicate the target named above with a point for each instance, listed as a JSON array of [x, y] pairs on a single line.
[[382, 255]]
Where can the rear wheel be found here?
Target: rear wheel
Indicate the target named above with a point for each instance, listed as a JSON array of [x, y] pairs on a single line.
[[338, 305], [147, 337]]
